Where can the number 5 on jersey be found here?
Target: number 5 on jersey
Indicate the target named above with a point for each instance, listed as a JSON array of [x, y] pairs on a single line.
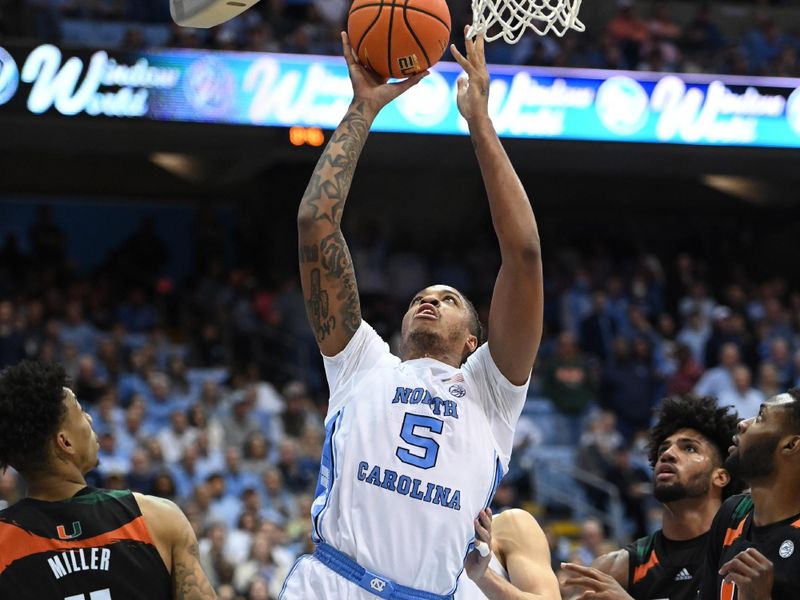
[[428, 446]]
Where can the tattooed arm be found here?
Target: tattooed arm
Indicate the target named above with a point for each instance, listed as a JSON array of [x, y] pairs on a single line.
[[176, 542], [326, 269]]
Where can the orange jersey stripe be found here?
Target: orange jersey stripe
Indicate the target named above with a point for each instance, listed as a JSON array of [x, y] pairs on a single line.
[[727, 591], [733, 534], [796, 524], [18, 543], [643, 569]]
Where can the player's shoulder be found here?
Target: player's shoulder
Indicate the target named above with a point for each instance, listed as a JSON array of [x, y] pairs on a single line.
[[515, 519], [736, 508], [617, 564], [639, 550], [164, 518], [516, 527]]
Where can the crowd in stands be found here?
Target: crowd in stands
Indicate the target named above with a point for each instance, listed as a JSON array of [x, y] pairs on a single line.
[[640, 36], [194, 397]]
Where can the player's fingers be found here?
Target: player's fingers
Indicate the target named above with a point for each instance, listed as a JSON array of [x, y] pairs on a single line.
[[402, 86], [581, 582], [485, 517], [347, 51], [758, 558], [750, 559], [481, 533], [462, 84], [739, 567], [470, 45], [480, 44], [581, 570], [741, 581], [460, 59]]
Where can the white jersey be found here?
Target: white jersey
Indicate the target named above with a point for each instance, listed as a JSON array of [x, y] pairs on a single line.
[[467, 590], [413, 452]]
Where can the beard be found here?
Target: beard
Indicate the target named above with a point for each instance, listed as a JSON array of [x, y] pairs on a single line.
[[424, 343], [757, 462], [672, 492]]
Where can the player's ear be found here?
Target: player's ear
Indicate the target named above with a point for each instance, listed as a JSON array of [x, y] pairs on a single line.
[[472, 343], [63, 441], [721, 478], [791, 445]]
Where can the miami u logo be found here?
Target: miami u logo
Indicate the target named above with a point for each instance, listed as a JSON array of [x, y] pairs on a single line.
[[727, 591], [76, 531]]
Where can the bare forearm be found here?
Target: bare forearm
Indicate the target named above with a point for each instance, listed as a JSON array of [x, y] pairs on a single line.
[[495, 587], [326, 194], [326, 268], [512, 215]]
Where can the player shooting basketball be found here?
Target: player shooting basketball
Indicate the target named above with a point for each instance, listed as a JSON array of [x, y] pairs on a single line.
[[415, 444]]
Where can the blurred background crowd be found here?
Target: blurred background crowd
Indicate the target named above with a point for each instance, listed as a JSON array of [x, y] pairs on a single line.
[[644, 35], [209, 391], [186, 335]]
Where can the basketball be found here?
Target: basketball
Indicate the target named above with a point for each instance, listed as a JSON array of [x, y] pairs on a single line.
[[398, 38]]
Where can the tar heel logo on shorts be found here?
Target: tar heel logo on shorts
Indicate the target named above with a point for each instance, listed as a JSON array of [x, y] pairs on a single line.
[[9, 76], [377, 584], [786, 549], [76, 531]]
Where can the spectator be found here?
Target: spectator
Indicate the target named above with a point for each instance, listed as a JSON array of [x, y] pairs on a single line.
[[629, 32], [719, 380], [695, 335], [598, 329], [687, 372], [631, 386], [569, 383], [745, 399]]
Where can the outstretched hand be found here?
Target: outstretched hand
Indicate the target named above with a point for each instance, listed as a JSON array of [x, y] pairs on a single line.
[[370, 87], [473, 90], [476, 563]]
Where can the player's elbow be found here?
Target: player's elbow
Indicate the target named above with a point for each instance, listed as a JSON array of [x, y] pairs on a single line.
[[305, 219], [527, 252]]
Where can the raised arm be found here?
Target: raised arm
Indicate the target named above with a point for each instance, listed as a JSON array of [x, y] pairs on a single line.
[[177, 544], [326, 269], [515, 318]]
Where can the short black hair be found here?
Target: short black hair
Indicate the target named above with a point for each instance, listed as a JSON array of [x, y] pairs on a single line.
[[793, 409], [31, 410], [701, 413], [475, 326]]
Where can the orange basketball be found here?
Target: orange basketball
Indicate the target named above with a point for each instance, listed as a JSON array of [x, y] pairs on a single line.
[[398, 38]]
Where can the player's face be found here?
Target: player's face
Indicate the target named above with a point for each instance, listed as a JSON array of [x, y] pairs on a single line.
[[441, 311], [81, 436], [753, 454], [685, 467]]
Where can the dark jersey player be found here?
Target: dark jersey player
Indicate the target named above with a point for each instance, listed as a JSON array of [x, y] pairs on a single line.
[[687, 448], [65, 540], [754, 549]]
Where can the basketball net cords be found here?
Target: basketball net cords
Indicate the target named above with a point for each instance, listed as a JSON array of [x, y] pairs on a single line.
[[515, 17]]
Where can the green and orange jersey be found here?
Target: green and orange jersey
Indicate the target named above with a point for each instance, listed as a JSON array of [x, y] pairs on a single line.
[[93, 546], [733, 531], [659, 568]]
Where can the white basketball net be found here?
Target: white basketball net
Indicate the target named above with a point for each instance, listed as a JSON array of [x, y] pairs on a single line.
[[515, 17]]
